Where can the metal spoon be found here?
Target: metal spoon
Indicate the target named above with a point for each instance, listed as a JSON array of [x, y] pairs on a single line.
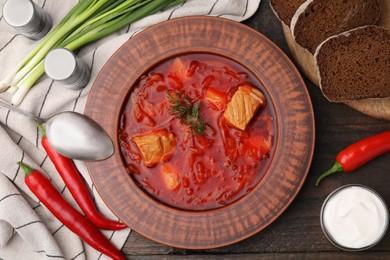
[[73, 135]]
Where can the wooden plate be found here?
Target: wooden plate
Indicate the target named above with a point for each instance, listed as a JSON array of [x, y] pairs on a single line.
[[294, 126]]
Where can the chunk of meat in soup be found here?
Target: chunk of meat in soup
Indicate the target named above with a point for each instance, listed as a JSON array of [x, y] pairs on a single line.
[[155, 146], [243, 106]]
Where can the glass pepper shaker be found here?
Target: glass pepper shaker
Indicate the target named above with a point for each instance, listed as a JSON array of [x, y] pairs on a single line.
[[62, 65], [27, 18]]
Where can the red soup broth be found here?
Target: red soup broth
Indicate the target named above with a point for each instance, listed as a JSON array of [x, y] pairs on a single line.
[[205, 171]]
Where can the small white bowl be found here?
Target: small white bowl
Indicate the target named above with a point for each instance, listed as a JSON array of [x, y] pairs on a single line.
[[334, 239]]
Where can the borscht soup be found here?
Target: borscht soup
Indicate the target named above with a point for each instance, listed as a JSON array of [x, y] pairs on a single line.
[[197, 132]]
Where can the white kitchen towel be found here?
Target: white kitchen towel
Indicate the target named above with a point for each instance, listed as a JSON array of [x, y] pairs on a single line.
[[27, 229]]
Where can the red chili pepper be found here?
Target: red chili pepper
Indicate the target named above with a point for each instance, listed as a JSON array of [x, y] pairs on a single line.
[[64, 212], [73, 180], [359, 154]]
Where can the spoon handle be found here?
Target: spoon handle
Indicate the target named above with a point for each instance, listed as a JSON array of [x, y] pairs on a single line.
[[17, 110]]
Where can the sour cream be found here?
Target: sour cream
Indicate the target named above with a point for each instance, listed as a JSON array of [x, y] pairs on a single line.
[[354, 217]]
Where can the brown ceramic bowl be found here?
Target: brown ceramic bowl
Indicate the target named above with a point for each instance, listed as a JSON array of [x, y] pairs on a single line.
[[292, 150]]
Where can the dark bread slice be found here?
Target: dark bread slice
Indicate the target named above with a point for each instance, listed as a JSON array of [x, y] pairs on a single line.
[[317, 20], [285, 9], [355, 64]]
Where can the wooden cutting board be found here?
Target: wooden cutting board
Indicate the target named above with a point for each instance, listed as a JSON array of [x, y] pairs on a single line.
[[378, 108]]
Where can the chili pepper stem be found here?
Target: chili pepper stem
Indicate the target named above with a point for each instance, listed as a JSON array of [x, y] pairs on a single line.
[[40, 127], [27, 169], [335, 168]]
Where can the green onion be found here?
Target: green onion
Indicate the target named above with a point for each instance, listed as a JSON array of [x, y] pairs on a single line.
[[87, 21]]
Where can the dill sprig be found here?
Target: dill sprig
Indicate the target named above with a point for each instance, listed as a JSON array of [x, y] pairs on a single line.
[[188, 111]]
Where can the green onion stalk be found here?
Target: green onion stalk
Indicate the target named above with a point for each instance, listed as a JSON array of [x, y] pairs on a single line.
[[88, 21]]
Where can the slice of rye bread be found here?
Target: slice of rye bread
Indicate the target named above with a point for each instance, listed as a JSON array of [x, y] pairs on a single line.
[[355, 64], [285, 9], [317, 20]]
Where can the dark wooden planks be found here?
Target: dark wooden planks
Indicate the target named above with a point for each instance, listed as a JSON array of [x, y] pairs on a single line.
[[283, 256]]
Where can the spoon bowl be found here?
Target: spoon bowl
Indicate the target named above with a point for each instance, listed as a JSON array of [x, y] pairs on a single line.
[[78, 137], [73, 135]]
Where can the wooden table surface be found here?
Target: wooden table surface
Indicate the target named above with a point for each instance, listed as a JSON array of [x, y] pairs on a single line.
[[297, 233]]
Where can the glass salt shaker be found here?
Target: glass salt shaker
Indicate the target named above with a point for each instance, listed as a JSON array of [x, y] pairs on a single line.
[[63, 66], [27, 18]]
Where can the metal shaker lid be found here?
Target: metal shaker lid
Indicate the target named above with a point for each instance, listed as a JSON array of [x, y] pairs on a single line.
[[18, 13], [60, 64]]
